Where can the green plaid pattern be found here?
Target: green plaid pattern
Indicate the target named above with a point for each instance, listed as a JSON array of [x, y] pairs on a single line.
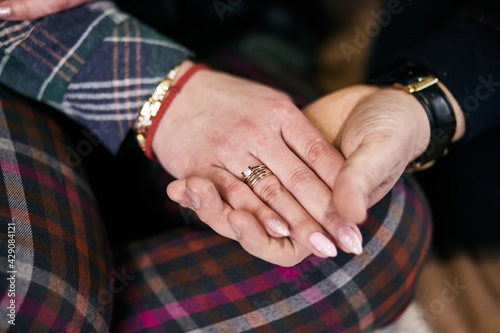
[[95, 63], [183, 280], [98, 65]]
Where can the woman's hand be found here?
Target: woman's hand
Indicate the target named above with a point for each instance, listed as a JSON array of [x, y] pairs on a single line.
[[238, 225], [218, 126], [18, 10]]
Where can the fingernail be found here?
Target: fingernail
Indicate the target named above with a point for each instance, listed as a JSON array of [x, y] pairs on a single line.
[[350, 240], [323, 244], [183, 204], [5, 12], [195, 198], [278, 227], [237, 232]]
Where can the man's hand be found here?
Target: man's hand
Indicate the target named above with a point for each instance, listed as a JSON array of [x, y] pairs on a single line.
[[379, 131], [218, 126], [18, 10]]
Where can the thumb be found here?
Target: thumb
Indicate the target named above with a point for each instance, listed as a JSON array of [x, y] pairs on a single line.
[[18, 10], [366, 176]]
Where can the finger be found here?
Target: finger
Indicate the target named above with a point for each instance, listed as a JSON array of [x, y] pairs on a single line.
[[307, 165], [346, 235], [176, 191], [312, 148], [305, 185], [254, 239], [367, 170], [245, 226], [201, 195], [272, 220], [304, 200], [210, 209], [17, 10], [303, 228]]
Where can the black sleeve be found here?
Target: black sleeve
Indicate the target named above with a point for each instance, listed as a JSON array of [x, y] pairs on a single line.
[[464, 53]]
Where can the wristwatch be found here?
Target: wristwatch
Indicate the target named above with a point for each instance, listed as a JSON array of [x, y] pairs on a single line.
[[421, 83]]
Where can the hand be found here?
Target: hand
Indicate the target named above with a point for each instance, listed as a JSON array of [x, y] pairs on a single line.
[[379, 131], [219, 125], [18, 10], [237, 225]]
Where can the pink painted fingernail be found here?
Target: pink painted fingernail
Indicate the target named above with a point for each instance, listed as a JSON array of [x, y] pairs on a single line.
[[5, 12], [278, 227], [350, 240], [323, 244]]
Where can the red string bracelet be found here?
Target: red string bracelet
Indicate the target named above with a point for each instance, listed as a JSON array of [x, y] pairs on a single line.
[[172, 92]]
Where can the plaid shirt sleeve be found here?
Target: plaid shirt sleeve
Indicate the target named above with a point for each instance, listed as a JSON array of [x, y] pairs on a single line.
[[95, 63]]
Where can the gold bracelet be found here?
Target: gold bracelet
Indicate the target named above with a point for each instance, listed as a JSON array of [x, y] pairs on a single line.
[[151, 107]]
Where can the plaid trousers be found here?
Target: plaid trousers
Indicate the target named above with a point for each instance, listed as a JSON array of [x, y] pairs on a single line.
[[67, 277]]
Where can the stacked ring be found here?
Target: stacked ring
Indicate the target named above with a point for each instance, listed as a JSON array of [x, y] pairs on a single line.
[[254, 174]]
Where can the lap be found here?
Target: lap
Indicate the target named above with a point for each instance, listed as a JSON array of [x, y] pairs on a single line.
[[188, 280], [185, 279], [62, 258]]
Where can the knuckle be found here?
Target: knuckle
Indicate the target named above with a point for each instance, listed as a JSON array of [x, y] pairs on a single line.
[[301, 179], [271, 191], [315, 150], [330, 217], [232, 190], [283, 108]]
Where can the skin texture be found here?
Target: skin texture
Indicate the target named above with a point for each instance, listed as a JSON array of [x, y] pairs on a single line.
[[33, 9], [382, 131], [219, 125], [378, 130]]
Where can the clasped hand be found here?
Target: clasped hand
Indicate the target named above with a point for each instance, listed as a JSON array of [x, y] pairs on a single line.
[[218, 126], [377, 131]]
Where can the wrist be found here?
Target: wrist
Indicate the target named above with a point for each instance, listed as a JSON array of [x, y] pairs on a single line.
[[418, 125], [183, 68], [154, 109], [422, 84]]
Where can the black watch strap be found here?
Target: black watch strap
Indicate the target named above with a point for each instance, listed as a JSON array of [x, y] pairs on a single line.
[[422, 84]]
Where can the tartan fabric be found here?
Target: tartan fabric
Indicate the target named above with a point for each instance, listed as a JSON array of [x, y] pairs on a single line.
[[188, 281], [95, 63], [98, 65], [185, 280], [62, 257]]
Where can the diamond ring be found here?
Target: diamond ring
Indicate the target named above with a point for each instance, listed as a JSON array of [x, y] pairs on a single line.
[[252, 175]]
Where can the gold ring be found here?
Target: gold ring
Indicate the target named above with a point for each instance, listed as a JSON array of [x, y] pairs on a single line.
[[254, 174]]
